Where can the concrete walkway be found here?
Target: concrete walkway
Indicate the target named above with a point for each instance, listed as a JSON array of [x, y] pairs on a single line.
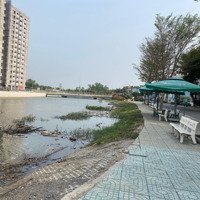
[[157, 167]]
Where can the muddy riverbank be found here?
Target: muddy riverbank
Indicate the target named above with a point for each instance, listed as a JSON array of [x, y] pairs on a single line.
[[56, 180], [61, 175], [44, 111], [46, 140], [25, 164]]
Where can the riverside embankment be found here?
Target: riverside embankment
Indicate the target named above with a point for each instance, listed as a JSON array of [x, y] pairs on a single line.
[[20, 94], [18, 148], [84, 165]]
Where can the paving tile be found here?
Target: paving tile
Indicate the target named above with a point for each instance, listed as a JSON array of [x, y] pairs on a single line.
[[156, 173], [176, 174], [132, 160], [130, 196], [162, 193], [109, 184], [194, 174], [116, 173], [171, 166], [101, 194], [159, 169], [155, 181], [138, 185], [132, 170], [106, 193], [152, 166], [188, 195], [188, 185]]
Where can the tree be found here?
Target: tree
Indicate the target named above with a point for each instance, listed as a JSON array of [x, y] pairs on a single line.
[[161, 55], [31, 84], [125, 92], [155, 62], [44, 87], [190, 68], [190, 65], [98, 88], [80, 89]]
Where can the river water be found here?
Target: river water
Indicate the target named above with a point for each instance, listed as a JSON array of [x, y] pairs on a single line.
[[45, 110]]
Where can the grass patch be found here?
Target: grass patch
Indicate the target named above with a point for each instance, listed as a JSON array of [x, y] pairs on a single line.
[[98, 108], [74, 116], [24, 120], [130, 118], [81, 134]]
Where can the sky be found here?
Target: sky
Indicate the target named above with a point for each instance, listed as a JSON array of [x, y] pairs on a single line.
[[80, 42]]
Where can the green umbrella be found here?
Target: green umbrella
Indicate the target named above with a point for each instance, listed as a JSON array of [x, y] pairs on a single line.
[[145, 89], [173, 85]]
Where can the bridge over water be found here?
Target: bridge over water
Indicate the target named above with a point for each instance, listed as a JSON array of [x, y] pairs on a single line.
[[83, 96]]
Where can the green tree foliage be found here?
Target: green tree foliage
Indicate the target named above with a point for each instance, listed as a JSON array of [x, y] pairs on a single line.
[[44, 87], [161, 55], [155, 61], [31, 84], [126, 92], [80, 89], [98, 88], [190, 68], [190, 65]]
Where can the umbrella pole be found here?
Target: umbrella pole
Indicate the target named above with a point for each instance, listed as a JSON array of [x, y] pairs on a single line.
[[161, 101], [154, 102], [175, 105], [157, 102], [184, 110], [146, 98]]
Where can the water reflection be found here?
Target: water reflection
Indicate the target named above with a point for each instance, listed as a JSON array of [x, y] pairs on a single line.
[[10, 109]]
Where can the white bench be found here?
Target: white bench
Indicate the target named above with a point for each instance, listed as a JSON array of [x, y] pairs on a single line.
[[186, 126]]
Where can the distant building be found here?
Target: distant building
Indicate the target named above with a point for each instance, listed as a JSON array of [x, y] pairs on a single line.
[[15, 47], [2, 15]]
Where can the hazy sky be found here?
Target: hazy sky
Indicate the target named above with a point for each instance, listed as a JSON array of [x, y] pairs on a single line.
[[77, 42]]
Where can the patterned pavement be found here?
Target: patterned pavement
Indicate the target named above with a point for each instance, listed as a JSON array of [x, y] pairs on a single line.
[[157, 167]]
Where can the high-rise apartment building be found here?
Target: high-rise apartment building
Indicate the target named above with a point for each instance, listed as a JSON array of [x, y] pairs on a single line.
[[2, 15], [15, 48]]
